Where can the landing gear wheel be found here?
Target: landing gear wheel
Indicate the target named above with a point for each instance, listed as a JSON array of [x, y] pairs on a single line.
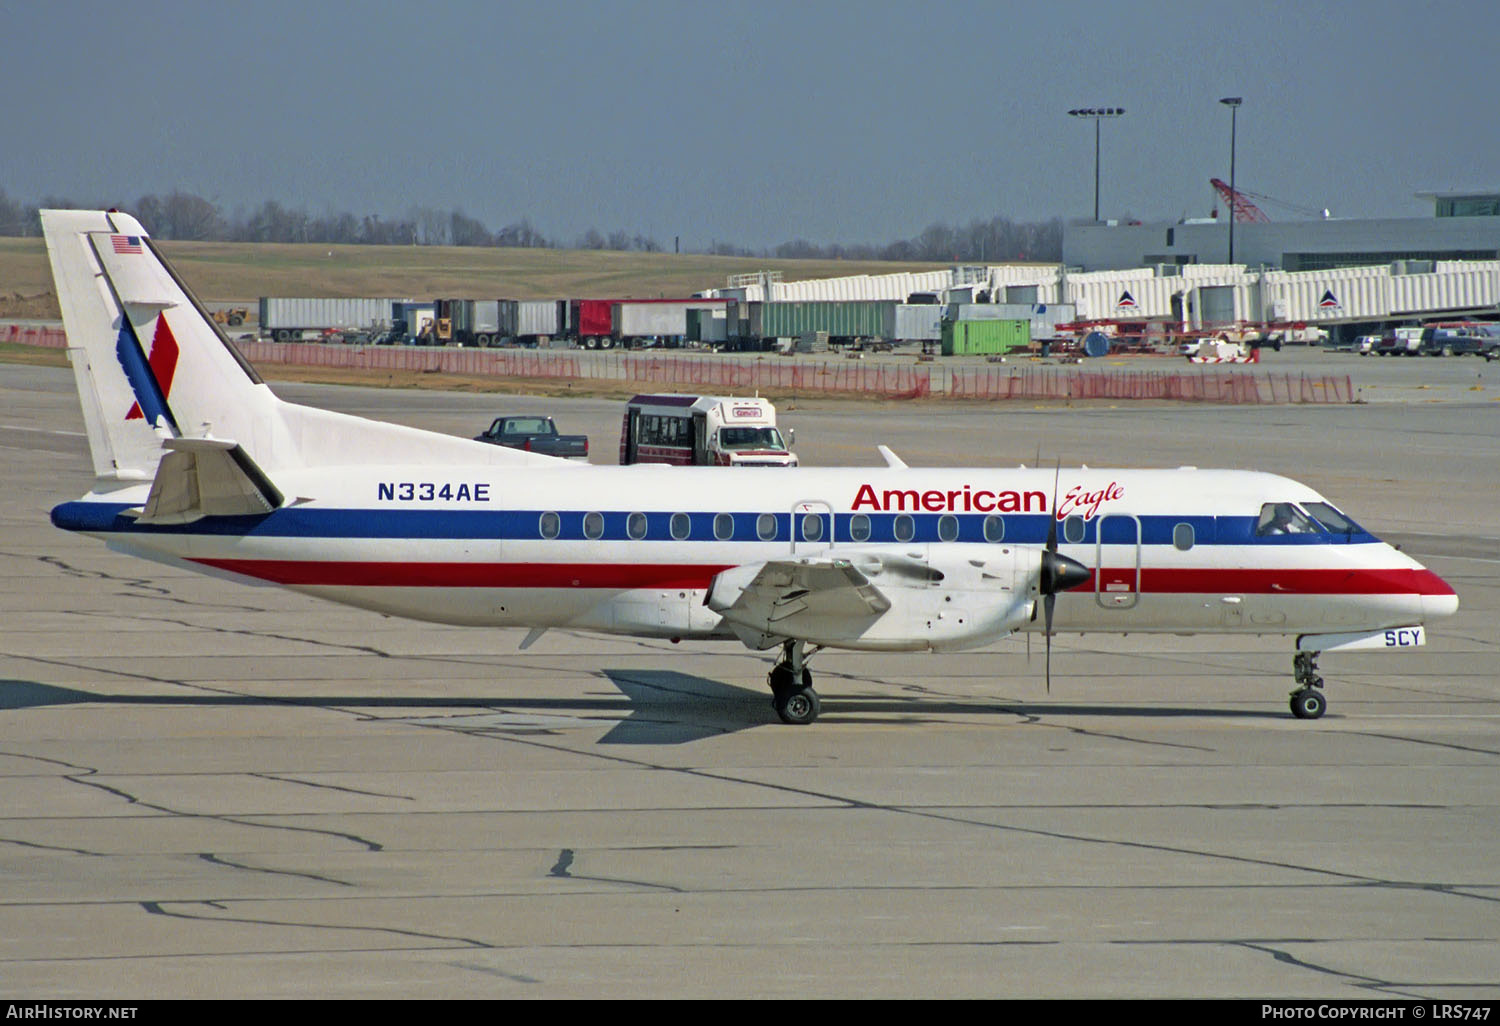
[[794, 699], [798, 707], [1308, 704], [783, 683]]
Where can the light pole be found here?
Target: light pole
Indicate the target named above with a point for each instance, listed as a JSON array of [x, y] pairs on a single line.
[[1233, 103], [1098, 114]]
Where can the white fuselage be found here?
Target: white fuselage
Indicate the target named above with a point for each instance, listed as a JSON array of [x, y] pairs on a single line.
[[638, 549]]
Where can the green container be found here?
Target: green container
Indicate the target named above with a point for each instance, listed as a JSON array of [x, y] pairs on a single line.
[[982, 338], [841, 319]]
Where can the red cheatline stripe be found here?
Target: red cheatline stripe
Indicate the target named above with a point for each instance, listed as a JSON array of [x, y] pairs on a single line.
[[471, 575], [1379, 581], [1392, 581]]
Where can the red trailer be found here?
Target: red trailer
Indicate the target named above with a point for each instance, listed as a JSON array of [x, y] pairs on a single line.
[[591, 323]]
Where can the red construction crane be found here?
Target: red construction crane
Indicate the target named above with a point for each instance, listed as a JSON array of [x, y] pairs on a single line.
[[1243, 210]]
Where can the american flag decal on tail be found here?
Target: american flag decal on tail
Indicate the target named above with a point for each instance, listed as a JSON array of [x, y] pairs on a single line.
[[129, 245]]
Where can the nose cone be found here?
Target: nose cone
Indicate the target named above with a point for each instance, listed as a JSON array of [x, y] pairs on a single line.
[[1059, 573], [1438, 598]]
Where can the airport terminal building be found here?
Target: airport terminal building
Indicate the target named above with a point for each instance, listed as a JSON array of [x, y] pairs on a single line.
[[1333, 278], [1465, 226]]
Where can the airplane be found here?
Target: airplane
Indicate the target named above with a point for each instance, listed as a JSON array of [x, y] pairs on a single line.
[[199, 465]]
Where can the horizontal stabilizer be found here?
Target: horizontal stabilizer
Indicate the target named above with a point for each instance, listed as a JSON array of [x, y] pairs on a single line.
[[207, 477]]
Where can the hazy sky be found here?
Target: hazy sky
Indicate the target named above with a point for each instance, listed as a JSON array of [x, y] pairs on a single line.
[[754, 122]]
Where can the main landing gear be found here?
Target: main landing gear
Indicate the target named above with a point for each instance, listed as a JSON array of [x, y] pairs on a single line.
[[1308, 702], [792, 695]]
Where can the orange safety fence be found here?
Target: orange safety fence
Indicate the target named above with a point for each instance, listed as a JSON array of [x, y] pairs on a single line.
[[28, 335], [1213, 384]]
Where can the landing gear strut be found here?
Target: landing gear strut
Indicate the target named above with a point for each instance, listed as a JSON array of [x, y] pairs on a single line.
[[792, 695], [1308, 702]]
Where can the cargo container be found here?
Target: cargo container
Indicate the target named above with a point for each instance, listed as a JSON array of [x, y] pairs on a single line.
[[846, 322], [539, 321], [591, 323], [286, 320], [664, 321], [1044, 317], [915, 322], [708, 326], [465, 322], [606, 323], [971, 338]]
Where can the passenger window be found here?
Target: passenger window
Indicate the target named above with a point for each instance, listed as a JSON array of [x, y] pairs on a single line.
[[765, 526], [1182, 536], [681, 526], [859, 527], [812, 527], [723, 526], [1283, 518], [906, 528], [550, 525], [635, 526], [593, 526], [994, 529], [1073, 529], [948, 527]]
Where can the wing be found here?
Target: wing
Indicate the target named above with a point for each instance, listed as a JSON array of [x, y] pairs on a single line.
[[805, 598]]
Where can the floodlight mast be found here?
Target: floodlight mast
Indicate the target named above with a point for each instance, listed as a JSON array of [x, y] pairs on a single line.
[[1233, 103], [1098, 114]]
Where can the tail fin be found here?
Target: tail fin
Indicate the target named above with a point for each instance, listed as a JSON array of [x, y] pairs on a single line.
[[156, 375], [150, 364]]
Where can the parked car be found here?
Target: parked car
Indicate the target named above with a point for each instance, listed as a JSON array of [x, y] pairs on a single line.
[[1365, 344]]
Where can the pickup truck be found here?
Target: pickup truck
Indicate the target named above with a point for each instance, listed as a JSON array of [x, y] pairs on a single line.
[[535, 434]]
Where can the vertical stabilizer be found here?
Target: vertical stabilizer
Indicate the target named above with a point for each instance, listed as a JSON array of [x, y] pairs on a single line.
[[150, 364]]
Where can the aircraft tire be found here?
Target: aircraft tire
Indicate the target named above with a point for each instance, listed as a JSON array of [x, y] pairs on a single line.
[[782, 684], [798, 707], [1308, 704]]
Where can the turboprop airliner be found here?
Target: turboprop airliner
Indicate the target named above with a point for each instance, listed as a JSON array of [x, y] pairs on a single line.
[[198, 464]]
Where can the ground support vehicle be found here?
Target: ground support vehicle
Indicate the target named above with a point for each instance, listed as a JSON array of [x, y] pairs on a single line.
[[702, 431]]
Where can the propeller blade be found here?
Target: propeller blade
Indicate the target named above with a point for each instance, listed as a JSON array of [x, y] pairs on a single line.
[[1050, 600]]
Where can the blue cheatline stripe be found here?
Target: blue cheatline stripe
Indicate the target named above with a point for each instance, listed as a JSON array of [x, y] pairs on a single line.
[[525, 525], [148, 394]]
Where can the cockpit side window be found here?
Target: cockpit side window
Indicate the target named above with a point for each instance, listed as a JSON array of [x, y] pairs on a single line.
[[1332, 519], [1284, 518]]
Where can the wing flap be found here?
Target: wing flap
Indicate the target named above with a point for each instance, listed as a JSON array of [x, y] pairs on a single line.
[[811, 597]]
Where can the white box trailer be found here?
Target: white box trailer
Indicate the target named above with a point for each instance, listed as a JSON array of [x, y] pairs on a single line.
[[539, 317], [914, 322], [286, 319], [664, 320]]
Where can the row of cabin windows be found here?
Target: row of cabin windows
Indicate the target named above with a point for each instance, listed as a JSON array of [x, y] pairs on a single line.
[[811, 528]]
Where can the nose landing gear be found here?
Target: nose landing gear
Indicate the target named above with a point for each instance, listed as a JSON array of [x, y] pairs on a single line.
[[1307, 702]]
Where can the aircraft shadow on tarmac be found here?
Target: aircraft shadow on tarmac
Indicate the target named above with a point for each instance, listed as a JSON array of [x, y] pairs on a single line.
[[660, 707]]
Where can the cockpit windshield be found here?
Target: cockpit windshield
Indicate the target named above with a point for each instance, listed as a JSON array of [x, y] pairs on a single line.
[[1284, 518], [736, 439], [1332, 519]]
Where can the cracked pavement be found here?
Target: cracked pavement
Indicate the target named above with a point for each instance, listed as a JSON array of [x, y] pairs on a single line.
[[209, 790]]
